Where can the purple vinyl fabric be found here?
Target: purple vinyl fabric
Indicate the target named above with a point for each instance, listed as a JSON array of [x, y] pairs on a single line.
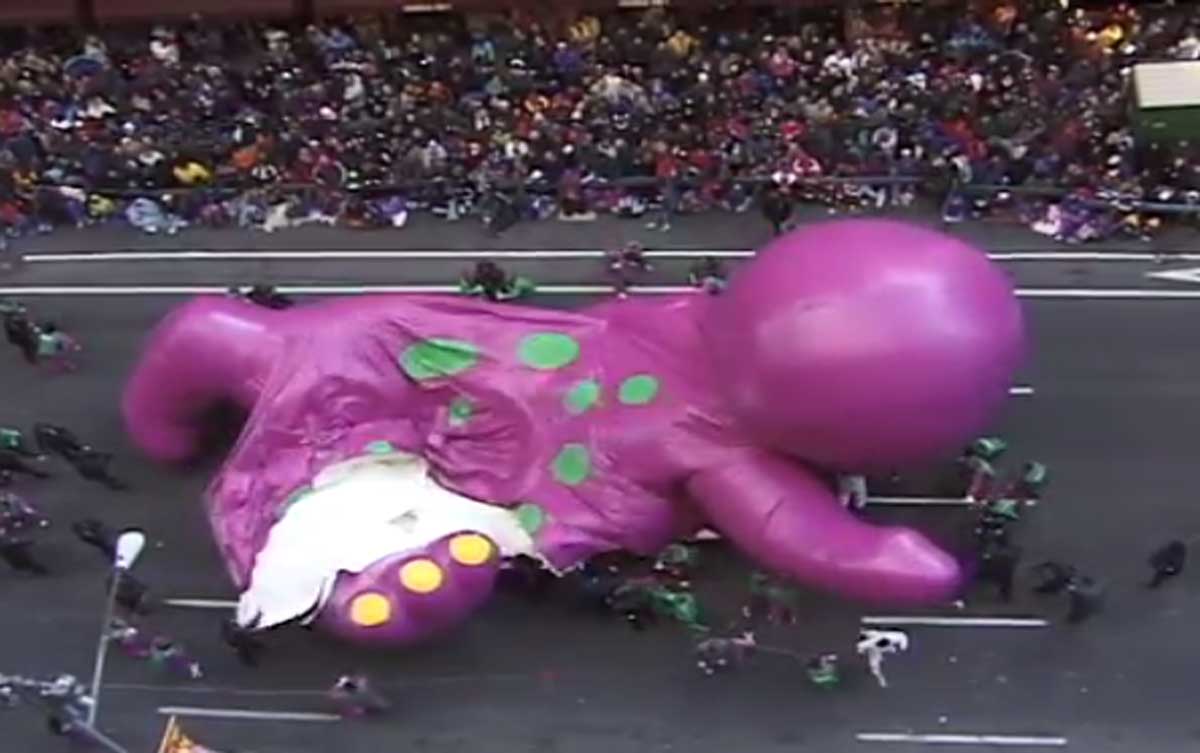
[[844, 346]]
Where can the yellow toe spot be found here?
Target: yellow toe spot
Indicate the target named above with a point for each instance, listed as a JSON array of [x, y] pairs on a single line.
[[370, 610], [421, 576], [470, 549]]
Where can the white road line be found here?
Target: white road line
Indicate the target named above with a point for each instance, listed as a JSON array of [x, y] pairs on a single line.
[[958, 739], [1020, 391], [90, 290], [159, 690], [274, 716], [1101, 256], [1109, 293], [1029, 741], [918, 501], [201, 603], [710, 535], [982, 622], [416, 255], [545, 254], [147, 290]]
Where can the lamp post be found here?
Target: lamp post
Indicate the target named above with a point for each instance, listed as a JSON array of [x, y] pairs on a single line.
[[128, 546]]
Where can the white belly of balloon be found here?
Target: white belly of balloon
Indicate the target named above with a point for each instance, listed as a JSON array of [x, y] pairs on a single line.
[[378, 551]]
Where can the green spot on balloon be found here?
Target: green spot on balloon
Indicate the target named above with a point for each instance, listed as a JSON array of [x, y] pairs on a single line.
[[638, 390], [461, 411], [549, 350], [530, 517], [437, 357], [572, 465], [380, 447], [582, 396]]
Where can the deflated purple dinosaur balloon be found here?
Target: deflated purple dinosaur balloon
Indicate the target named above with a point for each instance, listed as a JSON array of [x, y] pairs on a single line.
[[397, 448]]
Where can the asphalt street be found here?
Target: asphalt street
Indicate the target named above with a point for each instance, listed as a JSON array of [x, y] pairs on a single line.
[[1115, 413], [585, 267]]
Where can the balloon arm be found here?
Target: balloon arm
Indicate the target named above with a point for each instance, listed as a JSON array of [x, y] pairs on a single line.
[[211, 351], [787, 518]]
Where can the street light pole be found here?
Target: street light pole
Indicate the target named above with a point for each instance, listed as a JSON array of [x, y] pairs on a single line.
[[94, 735], [129, 545], [102, 647]]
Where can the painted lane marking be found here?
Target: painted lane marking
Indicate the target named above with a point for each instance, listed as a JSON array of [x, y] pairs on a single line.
[[1177, 275], [544, 254], [1101, 256], [147, 290], [981, 622], [275, 716], [711, 535], [421, 255], [160, 690], [201, 603], [919, 501], [1109, 293], [209, 690], [116, 290], [1031, 741]]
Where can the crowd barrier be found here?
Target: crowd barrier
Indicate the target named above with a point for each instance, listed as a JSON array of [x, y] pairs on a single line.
[[1052, 192], [427, 186], [435, 190], [78, 12], [122, 11], [41, 12]]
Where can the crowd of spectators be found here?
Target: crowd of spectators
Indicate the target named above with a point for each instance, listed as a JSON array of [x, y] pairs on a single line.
[[360, 122]]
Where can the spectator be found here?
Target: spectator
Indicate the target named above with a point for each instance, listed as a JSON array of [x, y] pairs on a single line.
[[1028, 95]]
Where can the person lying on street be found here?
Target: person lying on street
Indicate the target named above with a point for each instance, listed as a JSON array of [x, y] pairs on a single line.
[[88, 462], [56, 348], [23, 335], [14, 440], [14, 464], [20, 523], [708, 275], [1167, 562], [52, 439], [354, 696]]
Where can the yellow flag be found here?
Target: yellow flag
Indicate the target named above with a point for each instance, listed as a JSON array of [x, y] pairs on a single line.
[[171, 737], [174, 741]]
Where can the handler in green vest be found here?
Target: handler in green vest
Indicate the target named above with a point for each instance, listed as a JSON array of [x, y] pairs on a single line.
[[643, 600], [777, 602], [677, 561], [1034, 477], [678, 605], [1025, 489], [823, 671], [987, 448], [13, 440]]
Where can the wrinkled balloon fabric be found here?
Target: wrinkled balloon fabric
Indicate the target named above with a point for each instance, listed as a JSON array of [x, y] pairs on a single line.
[[846, 346]]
